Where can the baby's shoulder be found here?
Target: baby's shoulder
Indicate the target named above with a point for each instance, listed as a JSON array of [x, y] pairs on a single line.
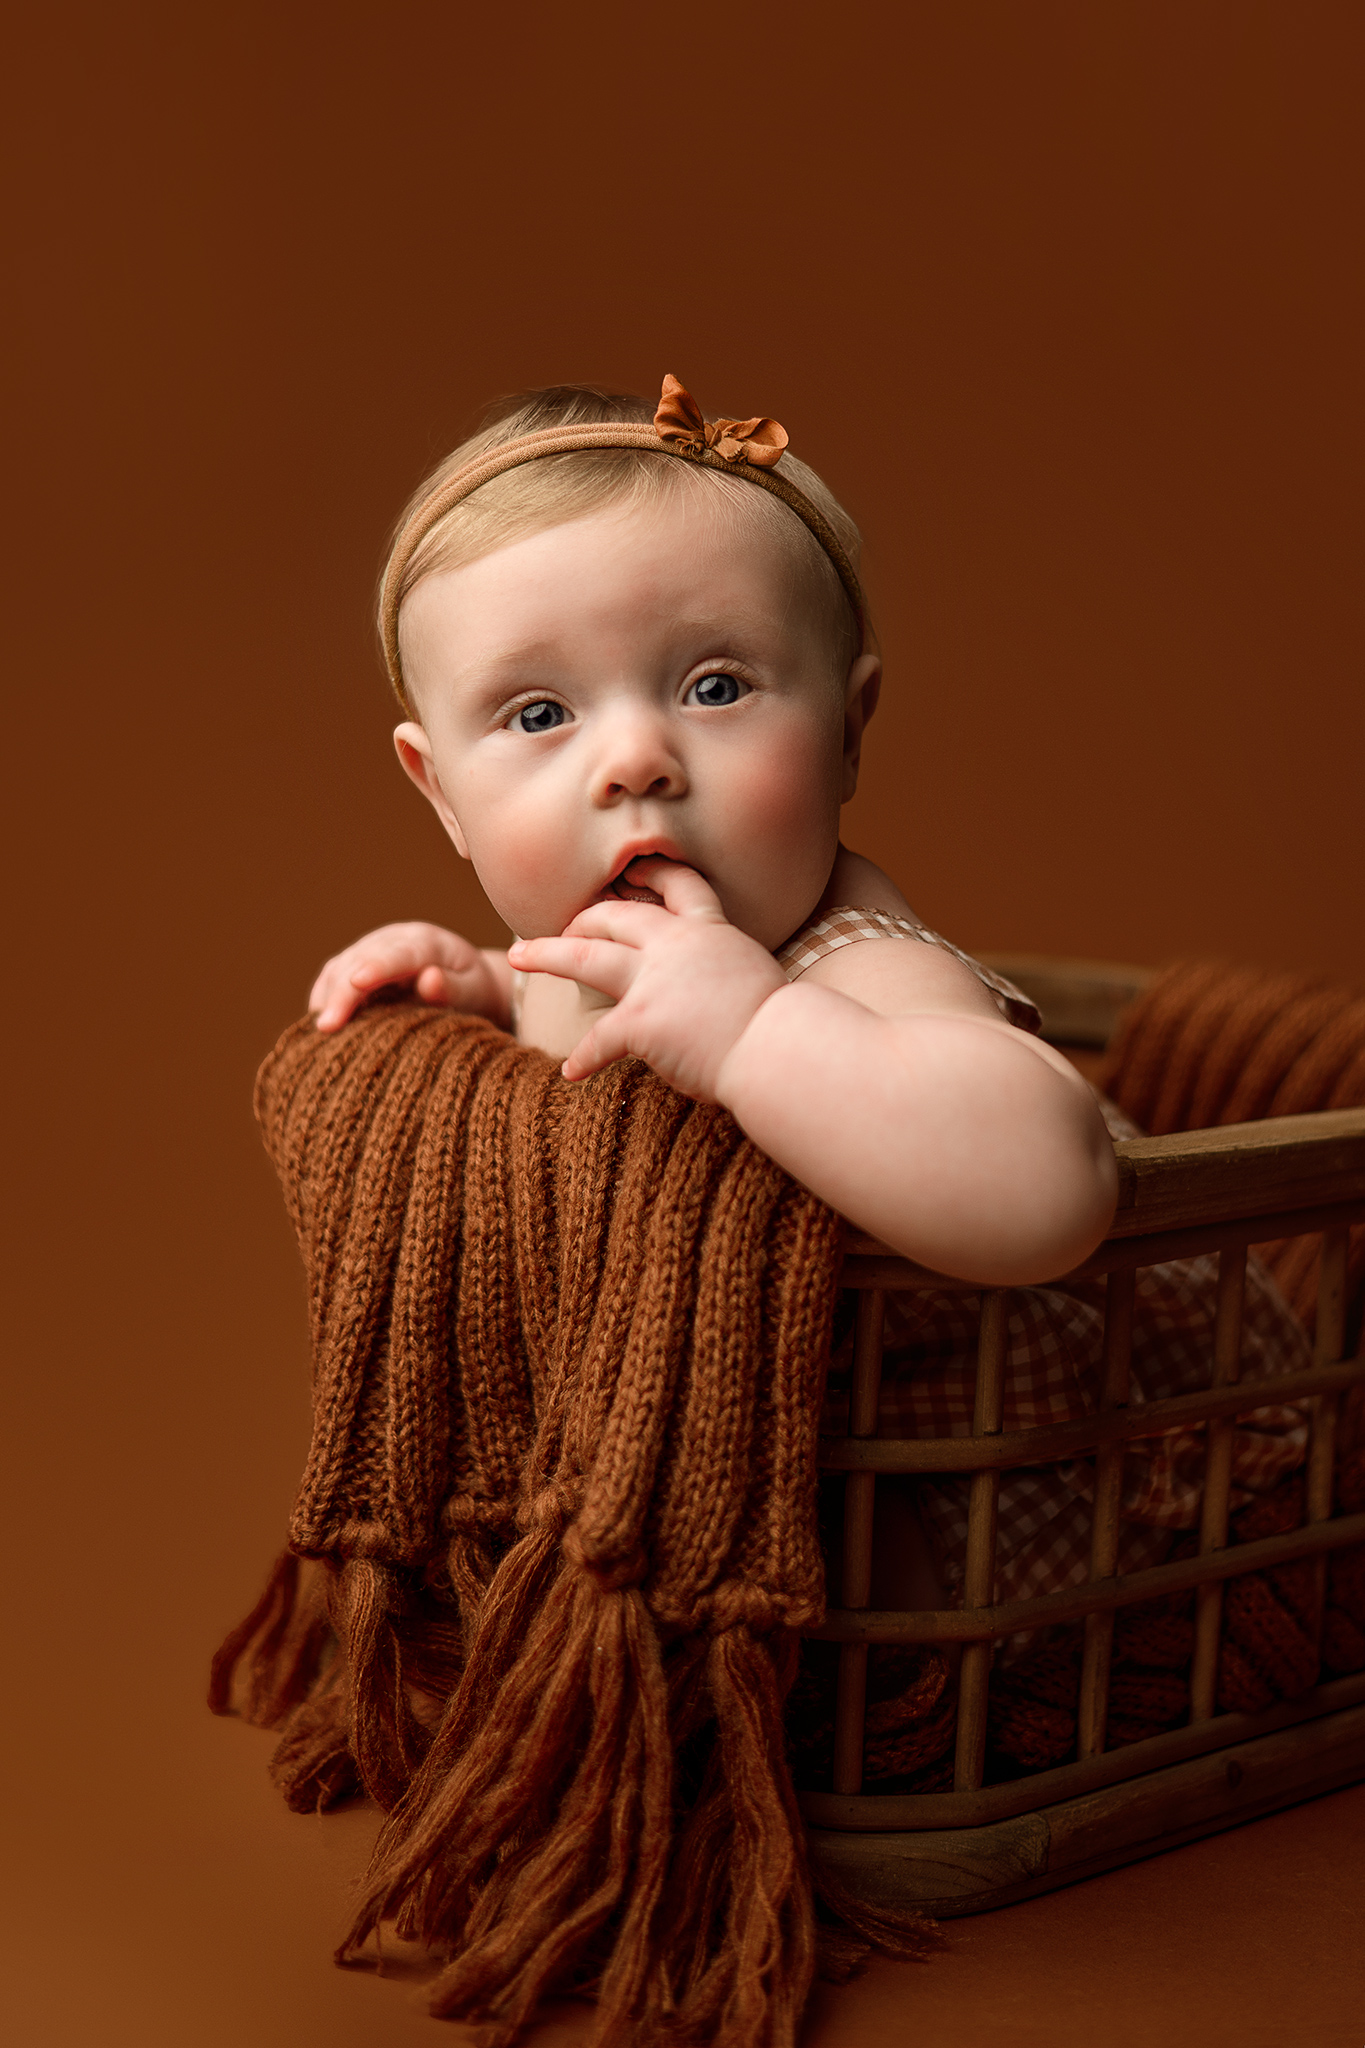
[[864, 940]]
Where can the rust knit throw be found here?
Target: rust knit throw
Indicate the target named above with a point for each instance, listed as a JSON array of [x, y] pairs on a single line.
[[1209, 1043], [569, 1347]]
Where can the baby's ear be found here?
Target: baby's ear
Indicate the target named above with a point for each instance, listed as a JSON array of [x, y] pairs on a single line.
[[419, 764], [860, 701]]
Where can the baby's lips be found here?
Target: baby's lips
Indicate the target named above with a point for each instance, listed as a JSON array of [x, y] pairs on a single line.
[[647, 860]]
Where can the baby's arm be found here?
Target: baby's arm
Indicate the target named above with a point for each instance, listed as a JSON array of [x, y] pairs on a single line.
[[885, 1079], [439, 966], [887, 1085]]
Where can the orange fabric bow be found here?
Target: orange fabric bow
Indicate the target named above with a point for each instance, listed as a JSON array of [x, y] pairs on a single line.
[[679, 419]]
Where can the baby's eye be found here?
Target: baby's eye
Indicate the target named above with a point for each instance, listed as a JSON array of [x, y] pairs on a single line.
[[719, 688], [541, 717]]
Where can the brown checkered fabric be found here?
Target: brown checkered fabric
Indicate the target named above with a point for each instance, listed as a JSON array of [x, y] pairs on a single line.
[[848, 925], [1053, 1373]]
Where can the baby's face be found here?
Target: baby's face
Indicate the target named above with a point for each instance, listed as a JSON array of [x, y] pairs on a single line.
[[634, 683]]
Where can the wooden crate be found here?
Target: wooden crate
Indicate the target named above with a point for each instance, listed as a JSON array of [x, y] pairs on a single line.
[[977, 1846]]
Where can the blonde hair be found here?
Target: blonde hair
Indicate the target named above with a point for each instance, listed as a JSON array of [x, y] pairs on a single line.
[[559, 488]]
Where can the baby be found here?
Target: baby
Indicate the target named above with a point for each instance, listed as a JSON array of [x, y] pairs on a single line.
[[635, 689], [635, 667]]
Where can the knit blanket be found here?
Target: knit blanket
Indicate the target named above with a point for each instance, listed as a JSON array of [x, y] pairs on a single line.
[[1210, 1043], [557, 1528]]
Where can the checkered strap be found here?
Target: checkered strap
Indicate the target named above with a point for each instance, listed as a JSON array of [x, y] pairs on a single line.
[[849, 924]]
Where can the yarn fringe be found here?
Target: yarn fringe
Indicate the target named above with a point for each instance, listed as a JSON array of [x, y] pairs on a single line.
[[272, 1659], [535, 1846]]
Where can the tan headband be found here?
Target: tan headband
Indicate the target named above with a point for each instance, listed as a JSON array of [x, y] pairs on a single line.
[[747, 448]]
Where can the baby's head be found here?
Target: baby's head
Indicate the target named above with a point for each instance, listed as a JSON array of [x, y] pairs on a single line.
[[611, 651]]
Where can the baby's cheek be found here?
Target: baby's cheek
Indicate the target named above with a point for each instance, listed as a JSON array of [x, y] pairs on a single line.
[[788, 796], [526, 872], [781, 831]]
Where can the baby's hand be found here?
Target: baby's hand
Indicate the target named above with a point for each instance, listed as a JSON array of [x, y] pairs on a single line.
[[440, 967], [685, 981]]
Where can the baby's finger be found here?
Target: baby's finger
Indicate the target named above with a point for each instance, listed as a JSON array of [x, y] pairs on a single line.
[[439, 962], [333, 1003], [685, 892], [376, 965], [439, 986], [346, 982], [597, 1048], [627, 924], [320, 993], [399, 952], [597, 963], [433, 986]]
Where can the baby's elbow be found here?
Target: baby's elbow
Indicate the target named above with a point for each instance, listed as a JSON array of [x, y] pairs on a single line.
[[1067, 1206], [1015, 1181], [1077, 1211]]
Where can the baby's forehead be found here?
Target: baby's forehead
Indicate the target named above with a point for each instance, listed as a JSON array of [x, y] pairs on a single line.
[[613, 566], [706, 530], [695, 566]]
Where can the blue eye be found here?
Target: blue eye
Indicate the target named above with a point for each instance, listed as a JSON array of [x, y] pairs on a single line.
[[717, 689], [542, 717]]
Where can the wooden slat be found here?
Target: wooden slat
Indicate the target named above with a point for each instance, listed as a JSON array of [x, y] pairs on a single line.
[[887, 1270], [1329, 1342], [1045, 1610], [1213, 1523], [978, 1583], [878, 1811], [1159, 1245], [1071, 1439], [1236, 1170], [1093, 1706], [850, 1715], [850, 1700], [864, 1395]]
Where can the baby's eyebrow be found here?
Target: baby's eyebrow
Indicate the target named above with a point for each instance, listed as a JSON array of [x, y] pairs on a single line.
[[528, 650], [490, 674]]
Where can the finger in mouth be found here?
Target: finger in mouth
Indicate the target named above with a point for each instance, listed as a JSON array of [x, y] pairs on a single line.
[[628, 891]]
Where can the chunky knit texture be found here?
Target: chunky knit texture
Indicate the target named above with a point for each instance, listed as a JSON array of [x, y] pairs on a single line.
[[569, 1348], [1209, 1043]]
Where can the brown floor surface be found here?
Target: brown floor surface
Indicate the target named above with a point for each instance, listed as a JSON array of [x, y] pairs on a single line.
[[179, 1903]]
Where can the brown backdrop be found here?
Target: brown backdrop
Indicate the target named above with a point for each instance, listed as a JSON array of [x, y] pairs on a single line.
[[1064, 302]]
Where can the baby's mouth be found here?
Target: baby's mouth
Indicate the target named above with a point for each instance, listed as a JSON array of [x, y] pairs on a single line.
[[626, 890]]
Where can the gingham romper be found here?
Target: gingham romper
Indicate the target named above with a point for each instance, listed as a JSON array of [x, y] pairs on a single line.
[[1054, 1366]]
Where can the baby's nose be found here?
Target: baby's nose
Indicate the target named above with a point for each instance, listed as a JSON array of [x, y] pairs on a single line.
[[637, 759]]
